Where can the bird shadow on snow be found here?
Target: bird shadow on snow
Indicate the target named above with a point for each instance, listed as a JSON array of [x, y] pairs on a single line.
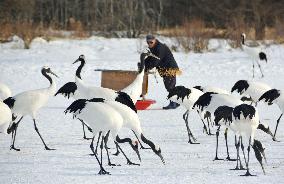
[[93, 169]]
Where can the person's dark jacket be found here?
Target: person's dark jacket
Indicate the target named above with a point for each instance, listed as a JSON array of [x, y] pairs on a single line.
[[166, 62]]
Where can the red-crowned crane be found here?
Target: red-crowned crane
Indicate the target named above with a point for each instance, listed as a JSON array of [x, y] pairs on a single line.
[[29, 102]]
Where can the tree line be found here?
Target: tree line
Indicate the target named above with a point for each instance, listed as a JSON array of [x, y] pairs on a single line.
[[137, 16]]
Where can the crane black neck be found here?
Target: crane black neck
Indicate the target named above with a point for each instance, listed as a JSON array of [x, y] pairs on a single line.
[[47, 76], [147, 141], [79, 69], [128, 140], [243, 40], [142, 63]]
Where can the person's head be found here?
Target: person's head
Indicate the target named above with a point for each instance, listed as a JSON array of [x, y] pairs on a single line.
[[151, 41]]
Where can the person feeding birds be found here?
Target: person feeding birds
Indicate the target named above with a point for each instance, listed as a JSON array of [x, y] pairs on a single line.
[[166, 66]]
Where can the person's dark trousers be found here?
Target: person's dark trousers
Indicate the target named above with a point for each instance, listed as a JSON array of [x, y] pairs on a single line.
[[170, 83]]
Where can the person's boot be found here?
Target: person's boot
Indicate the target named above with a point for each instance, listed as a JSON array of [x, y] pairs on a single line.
[[172, 105]]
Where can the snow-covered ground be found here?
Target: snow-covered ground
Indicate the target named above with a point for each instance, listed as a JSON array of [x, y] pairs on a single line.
[[185, 163]]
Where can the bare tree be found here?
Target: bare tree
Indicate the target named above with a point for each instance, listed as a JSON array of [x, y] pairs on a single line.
[[137, 16]]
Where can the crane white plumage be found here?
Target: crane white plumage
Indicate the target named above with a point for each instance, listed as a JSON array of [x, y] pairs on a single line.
[[274, 96], [29, 102], [125, 106], [134, 90], [5, 111], [253, 89], [86, 91], [102, 118], [254, 52], [79, 89], [5, 117], [208, 103], [5, 91], [83, 90], [214, 89], [243, 120], [186, 97]]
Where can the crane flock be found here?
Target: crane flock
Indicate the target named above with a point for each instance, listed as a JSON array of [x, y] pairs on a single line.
[[105, 112]]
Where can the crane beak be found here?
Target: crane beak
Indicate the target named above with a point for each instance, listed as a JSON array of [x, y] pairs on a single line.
[[75, 61], [54, 74], [154, 56], [161, 157], [149, 53]]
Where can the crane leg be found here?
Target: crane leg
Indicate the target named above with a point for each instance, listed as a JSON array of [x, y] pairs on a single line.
[[36, 129]]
